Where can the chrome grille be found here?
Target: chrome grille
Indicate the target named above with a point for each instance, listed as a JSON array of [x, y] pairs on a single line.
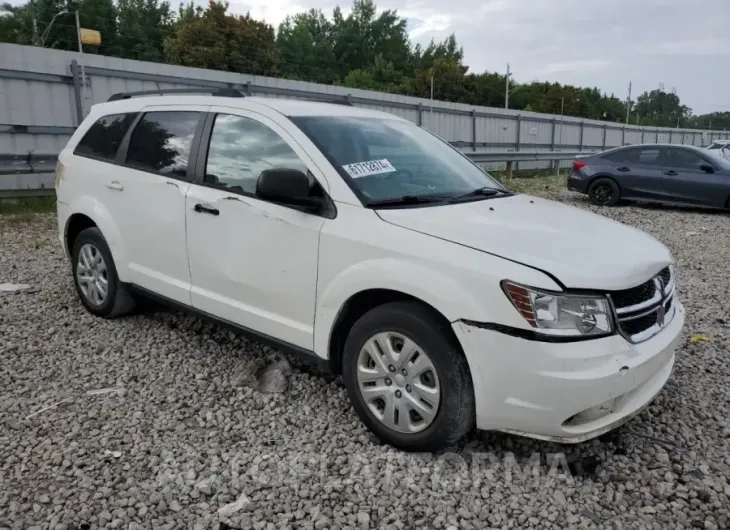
[[646, 309]]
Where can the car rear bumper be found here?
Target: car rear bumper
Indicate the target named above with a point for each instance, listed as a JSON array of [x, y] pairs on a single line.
[[565, 392], [62, 215], [575, 183]]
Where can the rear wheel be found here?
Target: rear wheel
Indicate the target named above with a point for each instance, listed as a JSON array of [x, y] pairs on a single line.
[[407, 378], [604, 192], [95, 276]]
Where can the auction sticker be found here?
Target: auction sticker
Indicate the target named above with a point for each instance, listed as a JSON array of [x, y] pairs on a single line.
[[372, 167]]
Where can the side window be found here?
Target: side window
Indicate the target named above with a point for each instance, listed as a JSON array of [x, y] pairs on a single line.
[[161, 142], [649, 156], [103, 139], [624, 156], [241, 148], [685, 159]]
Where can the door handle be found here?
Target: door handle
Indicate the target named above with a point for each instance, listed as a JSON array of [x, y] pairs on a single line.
[[115, 185], [623, 168], [671, 172], [200, 208]]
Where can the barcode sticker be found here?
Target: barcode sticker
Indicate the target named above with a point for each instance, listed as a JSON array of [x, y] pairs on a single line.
[[372, 167]]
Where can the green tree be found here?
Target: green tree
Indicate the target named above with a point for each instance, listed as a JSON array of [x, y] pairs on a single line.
[[362, 36], [226, 42], [450, 82], [306, 48], [713, 120], [142, 28], [662, 108], [447, 50]]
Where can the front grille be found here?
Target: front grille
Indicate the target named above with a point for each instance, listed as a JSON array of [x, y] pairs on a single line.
[[635, 295], [644, 310]]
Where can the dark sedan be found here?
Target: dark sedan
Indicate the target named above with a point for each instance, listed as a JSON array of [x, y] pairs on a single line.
[[676, 174]]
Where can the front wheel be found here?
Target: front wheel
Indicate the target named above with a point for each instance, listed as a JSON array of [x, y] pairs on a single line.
[[407, 378], [604, 192]]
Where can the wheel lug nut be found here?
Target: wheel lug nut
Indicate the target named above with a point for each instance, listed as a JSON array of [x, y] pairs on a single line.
[[408, 388], [404, 372], [388, 381], [391, 368], [397, 393]]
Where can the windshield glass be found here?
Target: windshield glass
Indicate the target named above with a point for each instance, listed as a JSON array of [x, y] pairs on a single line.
[[389, 159]]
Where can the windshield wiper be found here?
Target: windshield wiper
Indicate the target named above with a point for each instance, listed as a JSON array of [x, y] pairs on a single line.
[[486, 191], [405, 200]]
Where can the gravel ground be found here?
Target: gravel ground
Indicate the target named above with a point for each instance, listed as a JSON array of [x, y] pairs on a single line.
[[180, 435]]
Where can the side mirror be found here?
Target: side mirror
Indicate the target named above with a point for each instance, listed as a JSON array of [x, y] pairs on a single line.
[[286, 186], [707, 168]]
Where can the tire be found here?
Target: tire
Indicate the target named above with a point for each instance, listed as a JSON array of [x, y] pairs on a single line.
[[454, 414], [117, 301], [604, 191]]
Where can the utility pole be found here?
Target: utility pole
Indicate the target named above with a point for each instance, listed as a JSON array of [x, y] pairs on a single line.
[[560, 141], [34, 13], [506, 88], [431, 101], [81, 57], [628, 105]]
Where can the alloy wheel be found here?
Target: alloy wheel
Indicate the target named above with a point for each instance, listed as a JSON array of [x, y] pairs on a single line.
[[91, 274]]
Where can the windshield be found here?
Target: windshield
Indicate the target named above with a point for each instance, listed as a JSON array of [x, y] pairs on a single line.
[[385, 159]]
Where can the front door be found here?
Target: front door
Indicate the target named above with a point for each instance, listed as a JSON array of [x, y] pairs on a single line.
[[252, 262], [687, 180]]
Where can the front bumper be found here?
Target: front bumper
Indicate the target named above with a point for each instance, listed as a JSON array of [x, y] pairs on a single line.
[[565, 392]]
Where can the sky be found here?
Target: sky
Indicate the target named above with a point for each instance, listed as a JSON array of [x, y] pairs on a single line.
[[677, 44], [682, 44]]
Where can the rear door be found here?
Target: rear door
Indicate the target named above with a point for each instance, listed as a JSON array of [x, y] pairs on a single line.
[[148, 188], [638, 170], [688, 178]]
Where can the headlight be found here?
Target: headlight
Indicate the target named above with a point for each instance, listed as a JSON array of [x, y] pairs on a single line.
[[561, 314]]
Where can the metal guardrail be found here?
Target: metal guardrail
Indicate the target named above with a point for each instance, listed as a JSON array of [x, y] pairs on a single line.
[[526, 156], [30, 163], [42, 167]]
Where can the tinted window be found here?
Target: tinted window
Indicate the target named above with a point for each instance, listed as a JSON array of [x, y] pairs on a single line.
[[623, 156], [104, 137], [649, 155], [637, 155], [161, 142], [241, 148], [685, 159]]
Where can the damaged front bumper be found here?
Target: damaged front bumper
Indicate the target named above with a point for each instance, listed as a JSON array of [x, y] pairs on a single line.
[[566, 392]]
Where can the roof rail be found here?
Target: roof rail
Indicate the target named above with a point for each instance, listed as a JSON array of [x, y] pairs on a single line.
[[220, 92]]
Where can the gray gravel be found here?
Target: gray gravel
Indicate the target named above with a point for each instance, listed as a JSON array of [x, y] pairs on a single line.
[[183, 431]]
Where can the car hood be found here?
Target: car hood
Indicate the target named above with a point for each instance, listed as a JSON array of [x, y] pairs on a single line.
[[581, 249]]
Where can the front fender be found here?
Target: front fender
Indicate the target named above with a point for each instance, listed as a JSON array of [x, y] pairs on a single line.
[[436, 289], [97, 212]]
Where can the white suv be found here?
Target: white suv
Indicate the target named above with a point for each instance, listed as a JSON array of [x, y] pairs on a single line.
[[364, 242]]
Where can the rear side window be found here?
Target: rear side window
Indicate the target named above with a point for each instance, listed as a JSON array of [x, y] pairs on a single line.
[[622, 157], [636, 155], [103, 139], [161, 142]]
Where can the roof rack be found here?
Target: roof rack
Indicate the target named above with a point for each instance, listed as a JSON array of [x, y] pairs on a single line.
[[220, 92]]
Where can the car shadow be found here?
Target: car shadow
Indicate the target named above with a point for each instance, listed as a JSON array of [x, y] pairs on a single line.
[[679, 208]]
